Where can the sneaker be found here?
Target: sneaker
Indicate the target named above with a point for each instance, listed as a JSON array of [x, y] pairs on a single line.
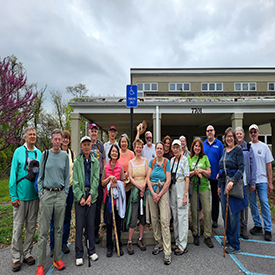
[[79, 261], [244, 235], [208, 242], [174, 248], [120, 251], [59, 265], [29, 261], [256, 230], [267, 236], [231, 250], [179, 252], [109, 253], [158, 248], [65, 249], [196, 241], [141, 245], [51, 253], [167, 259], [40, 270], [16, 266], [94, 257], [130, 249], [214, 225]]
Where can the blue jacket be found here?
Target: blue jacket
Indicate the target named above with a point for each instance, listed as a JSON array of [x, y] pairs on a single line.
[[249, 164]]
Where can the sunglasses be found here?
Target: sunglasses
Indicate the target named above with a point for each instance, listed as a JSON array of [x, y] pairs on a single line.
[[211, 130], [253, 132], [149, 138]]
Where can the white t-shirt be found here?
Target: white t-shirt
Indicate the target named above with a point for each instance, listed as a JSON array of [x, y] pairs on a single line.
[[149, 153], [262, 157]]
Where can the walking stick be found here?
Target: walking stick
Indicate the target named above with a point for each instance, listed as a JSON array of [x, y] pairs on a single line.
[[225, 225], [198, 184], [114, 223], [86, 237], [88, 246]]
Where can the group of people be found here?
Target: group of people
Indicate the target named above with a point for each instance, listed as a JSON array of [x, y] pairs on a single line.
[[154, 184]]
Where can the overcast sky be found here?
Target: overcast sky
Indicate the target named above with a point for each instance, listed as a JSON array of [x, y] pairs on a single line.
[[96, 42]]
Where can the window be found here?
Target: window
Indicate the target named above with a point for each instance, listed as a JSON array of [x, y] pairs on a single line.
[[179, 87], [267, 139], [245, 86], [154, 86], [211, 86], [271, 86], [140, 86], [147, 86]]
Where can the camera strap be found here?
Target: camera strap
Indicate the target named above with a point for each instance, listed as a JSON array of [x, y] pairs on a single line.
[[177, 166]]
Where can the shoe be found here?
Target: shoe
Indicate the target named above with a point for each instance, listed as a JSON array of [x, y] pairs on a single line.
[[226, 243], [51, 253], [79, 261], [267, 236], [208, 242], [97, 239], [59, 265], [167, 259], [244, 235], [109, 253], [94, 257], [29, 261], [130, 249], [196, 241], [174, 248], [179, 252], [16, 266], [40, 270], [230, 250], [214, 225], [158, 248], [141, 245], [256, 230], [121, 251], [65, 249]]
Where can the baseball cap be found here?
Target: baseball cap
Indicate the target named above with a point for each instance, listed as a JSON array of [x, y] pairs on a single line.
[[176, 142], [254, 126], [93, 125], [86, 138], [112, 128]]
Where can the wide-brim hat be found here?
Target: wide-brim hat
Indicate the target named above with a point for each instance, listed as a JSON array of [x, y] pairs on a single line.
[[143, 127]]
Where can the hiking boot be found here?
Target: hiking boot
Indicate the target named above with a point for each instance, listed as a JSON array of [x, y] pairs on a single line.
[[267, 236], [141, 245], [256, 230], [109, 253], [130, 249], [16, 266], [196, 241], [65, 249], [179, 252], [208, 242], [94, 257], [79, 261], [231, 250], [120, 251], [214, 225], [29, 261], [158, 248], [40, 270], [167, 259], [174, 248], [59, 265]]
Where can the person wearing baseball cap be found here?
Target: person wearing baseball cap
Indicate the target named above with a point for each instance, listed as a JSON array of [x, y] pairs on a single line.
[[112, 132], [264, 184]]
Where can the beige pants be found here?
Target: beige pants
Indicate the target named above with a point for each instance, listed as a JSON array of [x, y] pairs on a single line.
[[26, 211], [165, 214]]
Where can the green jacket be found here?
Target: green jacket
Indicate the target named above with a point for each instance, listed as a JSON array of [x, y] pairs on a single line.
[[79, 178]]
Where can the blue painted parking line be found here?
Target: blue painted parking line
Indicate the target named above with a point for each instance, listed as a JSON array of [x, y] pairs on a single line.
[[52, 267], [234, 258]]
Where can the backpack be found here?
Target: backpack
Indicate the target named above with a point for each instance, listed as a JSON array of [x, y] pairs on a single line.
[[164, 164], [36, 178], [248, 147], [32, 166]]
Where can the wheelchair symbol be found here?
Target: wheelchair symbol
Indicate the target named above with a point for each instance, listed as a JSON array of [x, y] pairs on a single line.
[[131, 92]]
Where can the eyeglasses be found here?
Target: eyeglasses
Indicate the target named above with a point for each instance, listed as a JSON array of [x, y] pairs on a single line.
[[253, 132], [149, 138], [210, 130]]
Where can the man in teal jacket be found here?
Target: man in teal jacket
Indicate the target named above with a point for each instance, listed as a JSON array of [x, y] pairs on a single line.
[[85, 189], [24, 200]]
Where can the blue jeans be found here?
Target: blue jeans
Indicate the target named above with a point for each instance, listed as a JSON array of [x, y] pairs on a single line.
[[233, 222], [67, 221], [261, 189]]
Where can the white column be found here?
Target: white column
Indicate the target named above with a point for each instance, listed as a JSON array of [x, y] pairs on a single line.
[[75, 132], [156, 129], [237, 120], [273, 137]]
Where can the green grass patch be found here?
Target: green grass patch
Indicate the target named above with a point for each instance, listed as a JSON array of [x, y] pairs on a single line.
[[6, 224], [4, 190]]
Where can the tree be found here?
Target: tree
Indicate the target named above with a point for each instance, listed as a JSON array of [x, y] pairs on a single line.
[[78, 90], [60, 107], [16, 100]]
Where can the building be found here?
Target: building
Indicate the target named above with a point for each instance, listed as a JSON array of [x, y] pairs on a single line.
[[184, 101]]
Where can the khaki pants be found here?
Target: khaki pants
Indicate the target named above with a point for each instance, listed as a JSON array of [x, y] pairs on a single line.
[[26, 211], [165, 214], [204, 198], [50, 202]]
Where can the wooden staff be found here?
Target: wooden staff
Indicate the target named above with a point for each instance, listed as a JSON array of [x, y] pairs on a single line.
[[225, 225], [114, 222]]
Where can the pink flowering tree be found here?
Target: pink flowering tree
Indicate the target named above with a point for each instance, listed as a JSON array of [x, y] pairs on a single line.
[[16, 100]]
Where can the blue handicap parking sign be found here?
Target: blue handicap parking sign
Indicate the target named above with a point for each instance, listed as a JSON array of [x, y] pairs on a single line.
[[131, 96]]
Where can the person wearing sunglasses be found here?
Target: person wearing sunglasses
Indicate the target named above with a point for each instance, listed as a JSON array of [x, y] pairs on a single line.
[[213, 148]]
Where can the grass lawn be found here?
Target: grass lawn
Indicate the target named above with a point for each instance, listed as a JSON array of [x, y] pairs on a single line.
[[4, 190]]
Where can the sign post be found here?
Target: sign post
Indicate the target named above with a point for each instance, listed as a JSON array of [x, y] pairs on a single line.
[[131, 102]]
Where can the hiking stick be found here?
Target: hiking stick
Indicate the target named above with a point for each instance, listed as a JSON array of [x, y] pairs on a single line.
[[114, 223], [88, 246], [198, 184], [225, 225], [86, 236]]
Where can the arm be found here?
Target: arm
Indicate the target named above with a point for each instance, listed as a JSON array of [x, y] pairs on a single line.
[[104, 180], [12, 182], [67, 175], [94, 181], [269, 174], [166, 184], [206, 173], [186, 190], [138, 131], [253, 169], [76, 182], [40, 180]]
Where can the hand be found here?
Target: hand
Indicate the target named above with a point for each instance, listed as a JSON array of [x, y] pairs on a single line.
[[270, 187], [184, 201], [138, 128], [219, 192], [141, 194], [82, 202], [89, 200], [252, 188], [113, 185], [112, 179], [217, 177], [16, 203], [142, 188], [229, 186]]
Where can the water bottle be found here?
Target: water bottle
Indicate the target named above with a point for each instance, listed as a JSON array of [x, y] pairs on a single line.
[[141, 206]]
